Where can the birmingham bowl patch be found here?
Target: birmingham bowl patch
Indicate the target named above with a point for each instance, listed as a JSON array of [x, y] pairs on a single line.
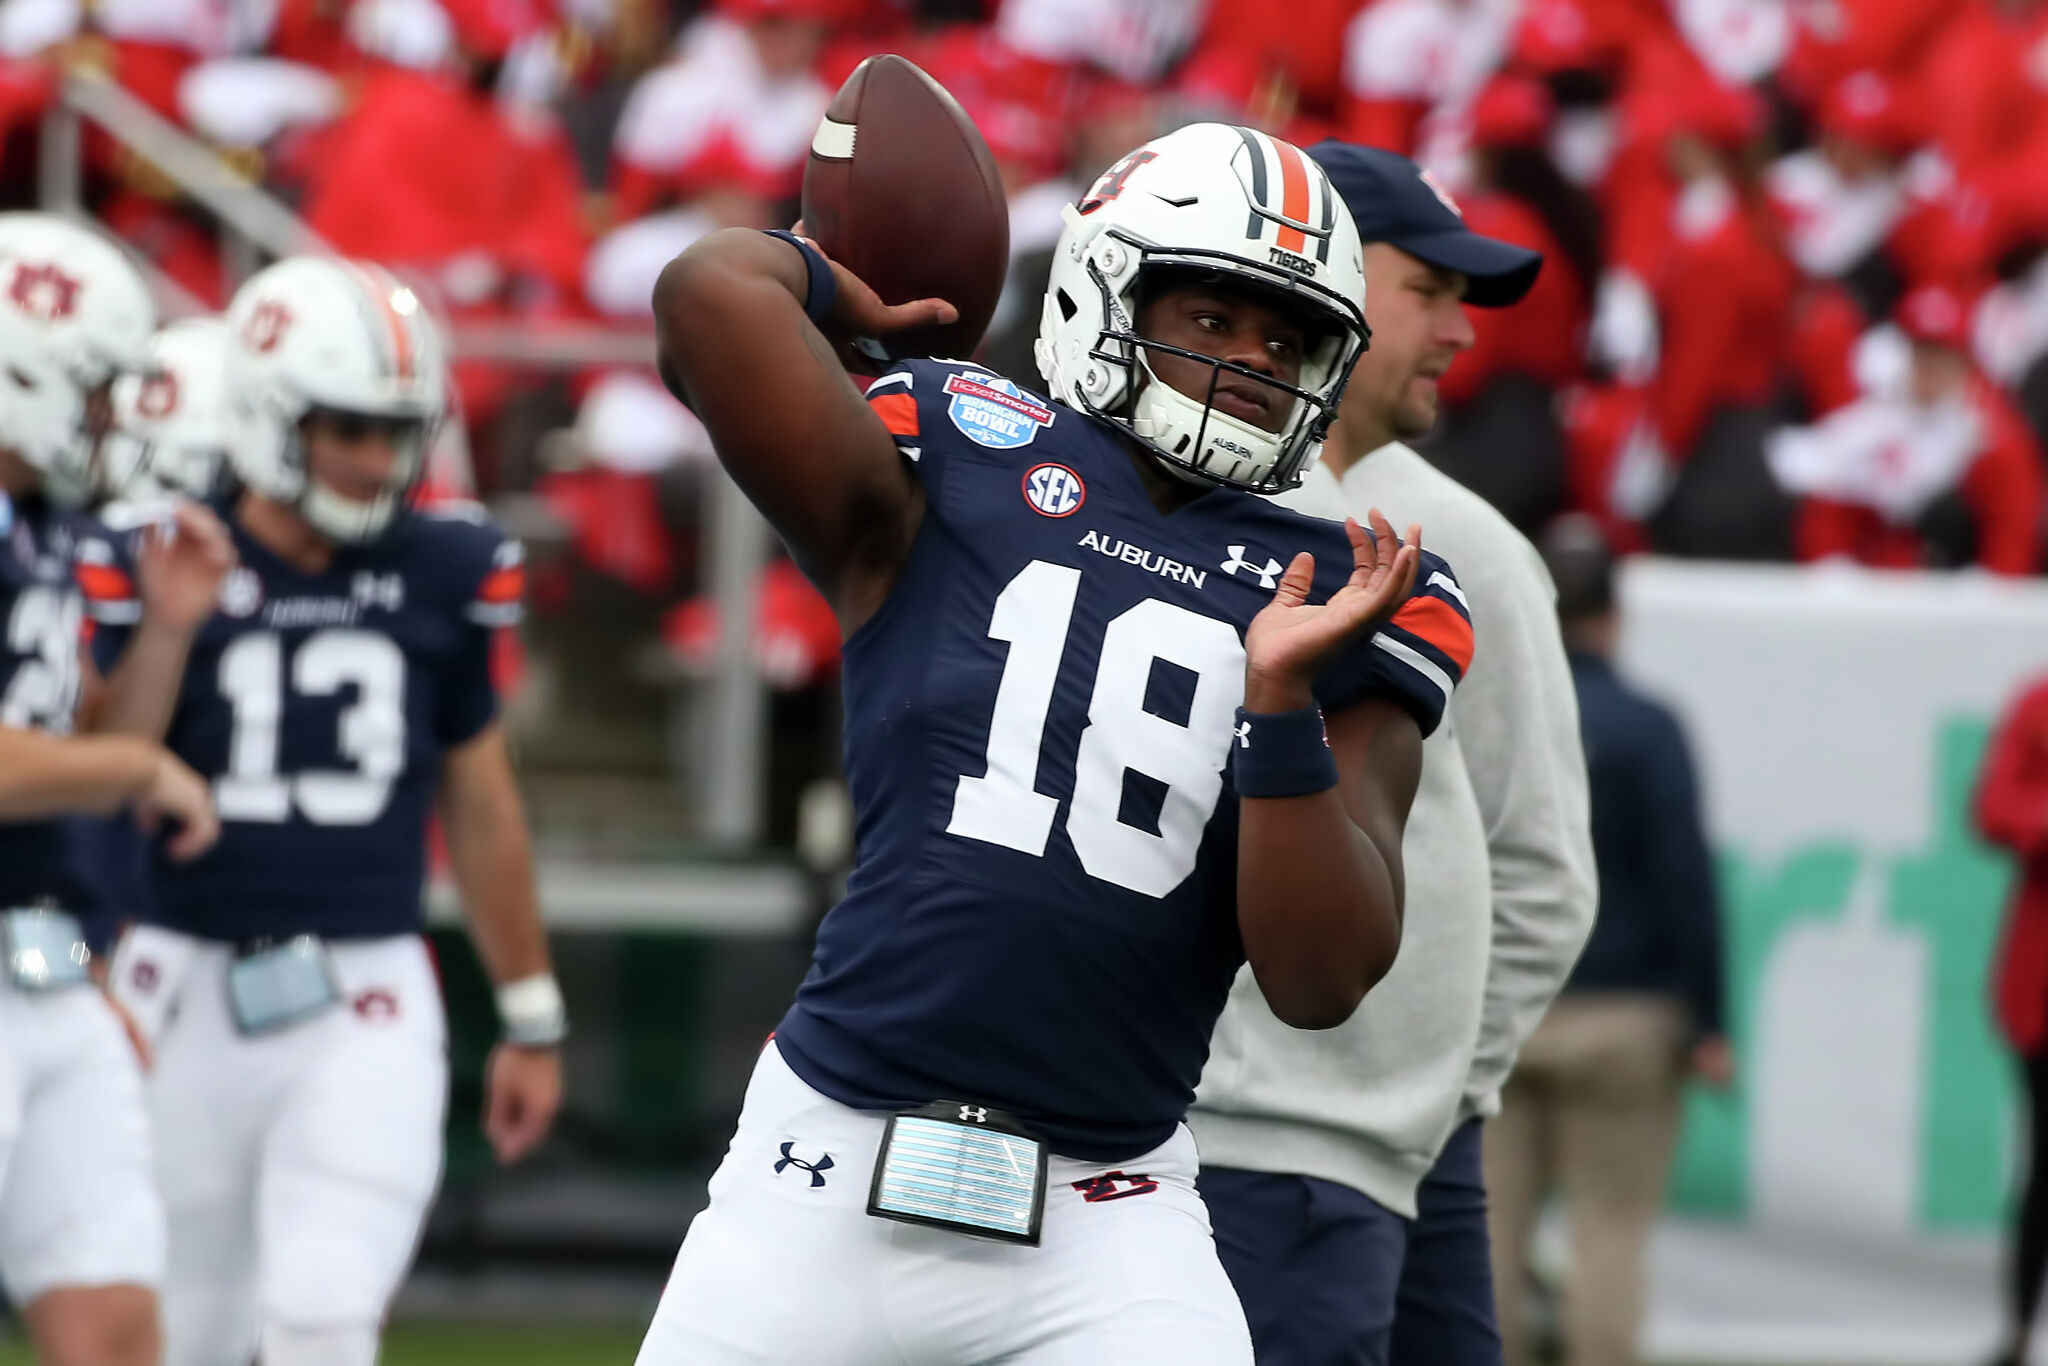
[[993, 412]]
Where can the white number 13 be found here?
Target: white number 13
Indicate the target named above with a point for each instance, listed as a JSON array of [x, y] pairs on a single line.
[[372, 730], [1032, 613]]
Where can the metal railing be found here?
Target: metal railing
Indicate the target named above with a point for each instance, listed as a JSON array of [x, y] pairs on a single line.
[[718, 730]]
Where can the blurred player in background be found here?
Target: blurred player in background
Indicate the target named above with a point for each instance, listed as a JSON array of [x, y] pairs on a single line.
[[1066, 621], [336, 687], [81, 1228], [1343, 1171], [164, 445], [169, 434], [1592, 1109]]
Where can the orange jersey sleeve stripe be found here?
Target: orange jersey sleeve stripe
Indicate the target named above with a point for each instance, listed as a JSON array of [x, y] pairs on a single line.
[[1440, 624], [503, 585], [898, 413], [104, 583], [1293, 196]]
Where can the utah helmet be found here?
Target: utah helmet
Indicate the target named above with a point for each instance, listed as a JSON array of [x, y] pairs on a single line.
[[312, 334], [1223, 201], [170, 433], [74, 314]]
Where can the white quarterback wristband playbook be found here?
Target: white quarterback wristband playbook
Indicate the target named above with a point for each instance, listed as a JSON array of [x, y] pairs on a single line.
[[533, 1012]]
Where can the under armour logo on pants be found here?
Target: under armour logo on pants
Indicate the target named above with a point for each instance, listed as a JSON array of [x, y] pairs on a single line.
[[816, 1169]]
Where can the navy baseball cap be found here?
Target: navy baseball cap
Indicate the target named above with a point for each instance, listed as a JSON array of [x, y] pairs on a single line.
[[1395, 201]]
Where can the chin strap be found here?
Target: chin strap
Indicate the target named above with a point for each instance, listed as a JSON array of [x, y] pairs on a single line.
[[347, 520]]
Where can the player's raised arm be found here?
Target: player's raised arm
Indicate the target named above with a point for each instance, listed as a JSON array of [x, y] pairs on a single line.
[[1319, 843], [735, 343]]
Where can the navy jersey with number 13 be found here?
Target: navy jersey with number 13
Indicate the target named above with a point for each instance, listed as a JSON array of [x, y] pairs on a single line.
[[320, 706], [1039, 719]]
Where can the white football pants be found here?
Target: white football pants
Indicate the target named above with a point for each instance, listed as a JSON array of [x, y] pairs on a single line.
[[786, 1265], [296, 1166]]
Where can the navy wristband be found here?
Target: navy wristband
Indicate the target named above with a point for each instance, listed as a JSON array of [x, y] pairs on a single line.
[[1282, 754], [821, 290]]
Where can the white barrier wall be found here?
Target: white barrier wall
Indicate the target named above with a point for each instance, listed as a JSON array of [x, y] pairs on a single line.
[[1842, 1203]]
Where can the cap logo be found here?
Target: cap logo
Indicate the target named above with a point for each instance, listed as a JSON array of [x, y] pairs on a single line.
[[1443, 196]]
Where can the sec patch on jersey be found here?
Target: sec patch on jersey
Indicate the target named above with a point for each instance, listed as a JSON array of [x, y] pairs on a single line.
[[1054, 490]]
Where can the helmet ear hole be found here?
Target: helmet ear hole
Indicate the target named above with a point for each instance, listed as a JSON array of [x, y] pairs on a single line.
[[1068, 308]]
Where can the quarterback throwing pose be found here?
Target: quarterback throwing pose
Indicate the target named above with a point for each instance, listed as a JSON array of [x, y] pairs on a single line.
[[335, 685], [1088, 679]]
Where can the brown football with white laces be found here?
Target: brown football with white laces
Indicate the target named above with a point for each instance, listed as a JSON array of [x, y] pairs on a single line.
[[901, 189]]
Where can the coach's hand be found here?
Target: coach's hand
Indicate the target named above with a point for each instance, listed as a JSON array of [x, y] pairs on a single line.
[[1290, 637], [522, 1091]]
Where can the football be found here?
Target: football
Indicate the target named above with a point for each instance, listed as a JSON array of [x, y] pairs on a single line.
[[901, 189]]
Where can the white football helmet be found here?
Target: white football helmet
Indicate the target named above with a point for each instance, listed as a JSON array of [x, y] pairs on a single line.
[[169, 433], [74, 314], [1217, 200], [315, 333]]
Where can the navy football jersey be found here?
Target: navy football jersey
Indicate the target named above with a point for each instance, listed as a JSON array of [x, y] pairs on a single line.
[[1042, 915], [42, 617], [110, 854], [320, 706]]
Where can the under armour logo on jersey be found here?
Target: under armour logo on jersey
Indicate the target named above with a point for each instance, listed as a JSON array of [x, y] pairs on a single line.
[[1244, 735], [973, 1114], [816, 1169], [378, 590], [1269, 577]]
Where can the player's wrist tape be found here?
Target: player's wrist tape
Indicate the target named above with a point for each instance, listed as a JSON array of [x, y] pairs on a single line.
[[532, 1011], [1281, 754], [821, 290]]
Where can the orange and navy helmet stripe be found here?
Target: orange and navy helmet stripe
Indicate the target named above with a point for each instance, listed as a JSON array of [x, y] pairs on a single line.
[[1307, 204], [388, 322]]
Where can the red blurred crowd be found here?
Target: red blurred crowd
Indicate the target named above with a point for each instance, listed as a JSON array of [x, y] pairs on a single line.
[[1794, 305]]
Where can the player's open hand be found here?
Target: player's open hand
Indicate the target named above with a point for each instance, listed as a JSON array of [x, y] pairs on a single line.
[[180, 565], [522, 1091], [860, 312], [1290, 637], [179, 798]]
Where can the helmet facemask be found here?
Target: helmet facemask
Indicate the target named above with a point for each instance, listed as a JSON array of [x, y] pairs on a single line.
[[72, 446], [356, 521]]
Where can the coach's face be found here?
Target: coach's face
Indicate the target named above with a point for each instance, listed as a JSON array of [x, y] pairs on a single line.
[[1418, 327], [1233, 325]]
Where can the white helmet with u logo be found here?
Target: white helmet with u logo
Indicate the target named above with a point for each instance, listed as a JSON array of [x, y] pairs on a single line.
[[1226, 202], [321, 334], [74, 315]]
